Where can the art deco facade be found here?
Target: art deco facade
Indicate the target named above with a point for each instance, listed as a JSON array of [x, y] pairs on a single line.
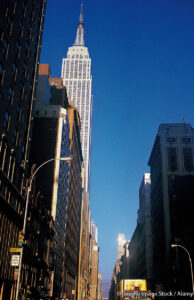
[[21, 26], [76, 74], [172, 195]]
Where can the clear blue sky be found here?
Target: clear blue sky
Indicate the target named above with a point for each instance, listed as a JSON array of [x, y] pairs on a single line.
[[142, 55]]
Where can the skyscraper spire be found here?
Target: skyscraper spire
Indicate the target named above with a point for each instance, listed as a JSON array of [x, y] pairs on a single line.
[[79, 41], [81, 14], [76, 74]]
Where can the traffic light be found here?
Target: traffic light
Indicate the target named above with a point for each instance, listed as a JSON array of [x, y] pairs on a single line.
[[21, 238]]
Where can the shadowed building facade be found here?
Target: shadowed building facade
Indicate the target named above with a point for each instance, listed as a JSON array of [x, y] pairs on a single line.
[[140, 247], [172, 197], [56, 134], [21, 26], [50, 139]]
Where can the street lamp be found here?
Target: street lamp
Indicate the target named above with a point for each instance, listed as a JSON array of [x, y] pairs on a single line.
[[66, 159], [175, 245]]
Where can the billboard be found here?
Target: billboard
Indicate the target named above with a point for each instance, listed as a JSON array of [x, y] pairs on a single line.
[[134, 285]]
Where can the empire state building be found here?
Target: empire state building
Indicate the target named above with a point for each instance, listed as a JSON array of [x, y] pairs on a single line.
[[76, 75]]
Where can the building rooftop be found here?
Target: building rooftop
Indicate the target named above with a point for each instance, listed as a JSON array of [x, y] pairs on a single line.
[[44, 69]]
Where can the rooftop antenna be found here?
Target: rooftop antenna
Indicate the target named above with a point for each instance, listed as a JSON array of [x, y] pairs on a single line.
[[183, 121], [81, 14]]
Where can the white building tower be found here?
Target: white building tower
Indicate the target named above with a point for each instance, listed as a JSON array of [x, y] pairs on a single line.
[[76, 75], [120, 245]]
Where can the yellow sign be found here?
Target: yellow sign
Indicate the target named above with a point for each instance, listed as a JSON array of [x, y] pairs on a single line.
[[135, 285], [14, 249]]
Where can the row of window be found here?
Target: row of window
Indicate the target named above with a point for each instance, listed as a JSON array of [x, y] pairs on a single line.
[[8, 165], [14, 72], [184, 140], [78, 56]]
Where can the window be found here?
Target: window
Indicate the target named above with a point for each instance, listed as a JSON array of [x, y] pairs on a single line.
[[20, 115], [6, 121], [27, 46], [17, 47], [1, 74], [4, 48], [188, 159], [24, 69], [33, 15], [11, 167], [8, 24], [171, 140], [21, 28], [23, 94], [3, 149], [19, 112], [172, 159], [14, 71], [23, 152], [186, 140], [10, 95], [15, 137]]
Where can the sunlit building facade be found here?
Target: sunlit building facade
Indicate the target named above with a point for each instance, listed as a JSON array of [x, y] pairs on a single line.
[[120, 243], [76, 75], [94, 263]]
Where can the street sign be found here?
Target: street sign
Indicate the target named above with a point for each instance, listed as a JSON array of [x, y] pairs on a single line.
[[15, 260], [14, 249]]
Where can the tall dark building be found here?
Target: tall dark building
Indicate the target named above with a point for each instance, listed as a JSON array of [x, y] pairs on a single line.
[[172, 203], [21, 26], [50, 140]]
